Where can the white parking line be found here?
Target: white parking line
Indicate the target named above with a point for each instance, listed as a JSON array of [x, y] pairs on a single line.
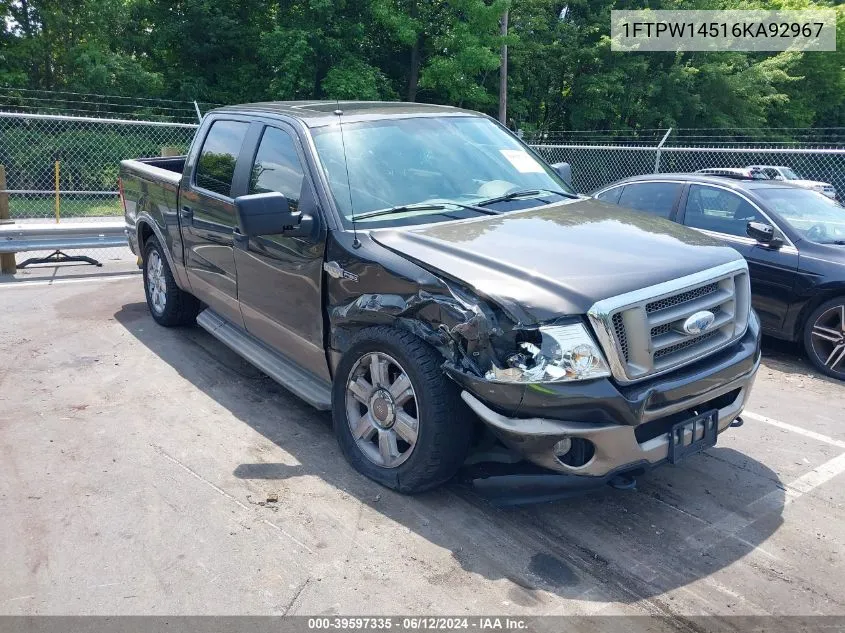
[[815, 478], [795, 429], [775, 501], [55, 282]]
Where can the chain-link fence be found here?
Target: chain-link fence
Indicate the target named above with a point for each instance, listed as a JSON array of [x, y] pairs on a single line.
[[595, 164], [65, 169]]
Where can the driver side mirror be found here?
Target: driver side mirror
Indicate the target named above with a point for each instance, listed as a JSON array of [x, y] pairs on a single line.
[[270, 214], [763, 233], [564, 170]]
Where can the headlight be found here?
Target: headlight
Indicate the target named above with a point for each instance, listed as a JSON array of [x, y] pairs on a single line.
[[564, 353]]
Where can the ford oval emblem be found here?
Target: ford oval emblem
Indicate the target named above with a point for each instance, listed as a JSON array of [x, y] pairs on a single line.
[[699, 322]]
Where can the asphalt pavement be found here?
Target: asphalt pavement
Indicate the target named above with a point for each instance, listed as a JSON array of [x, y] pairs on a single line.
[[146, 470]]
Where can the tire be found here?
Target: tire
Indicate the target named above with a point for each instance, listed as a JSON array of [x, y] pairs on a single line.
[[443, 424], [824, 338], [168, 304]]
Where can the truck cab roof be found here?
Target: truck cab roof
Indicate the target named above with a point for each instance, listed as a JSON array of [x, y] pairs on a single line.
[[322, 113]]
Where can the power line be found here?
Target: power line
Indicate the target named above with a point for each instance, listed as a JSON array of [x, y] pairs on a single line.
[[97, 103], [93, 94]]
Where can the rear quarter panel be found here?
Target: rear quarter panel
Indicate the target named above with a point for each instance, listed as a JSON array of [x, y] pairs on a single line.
[[151, 199]]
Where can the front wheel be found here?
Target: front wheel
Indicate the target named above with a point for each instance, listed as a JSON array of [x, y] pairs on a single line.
[[824, 338], [397, 417]]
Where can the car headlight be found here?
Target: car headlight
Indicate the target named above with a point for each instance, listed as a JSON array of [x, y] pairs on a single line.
[[562, 353]]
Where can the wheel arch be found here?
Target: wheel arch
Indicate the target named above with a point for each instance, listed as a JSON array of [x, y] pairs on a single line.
[[823, 295], [146, 227], [145, 231]]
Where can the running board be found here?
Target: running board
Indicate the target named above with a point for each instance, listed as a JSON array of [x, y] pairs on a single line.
[[315, 391]]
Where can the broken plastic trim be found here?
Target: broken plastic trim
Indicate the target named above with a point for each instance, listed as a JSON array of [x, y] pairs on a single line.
[[458, 327]]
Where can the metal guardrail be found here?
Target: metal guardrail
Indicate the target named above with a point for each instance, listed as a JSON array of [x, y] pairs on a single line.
[[19, 238]]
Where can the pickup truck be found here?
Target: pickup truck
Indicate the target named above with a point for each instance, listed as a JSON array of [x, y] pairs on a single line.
[[424, 275]]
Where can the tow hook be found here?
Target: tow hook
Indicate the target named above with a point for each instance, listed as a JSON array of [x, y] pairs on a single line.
[[738, 422], [623, 482]]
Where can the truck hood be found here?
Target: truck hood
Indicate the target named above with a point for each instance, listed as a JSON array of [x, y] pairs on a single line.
[[557, 260]]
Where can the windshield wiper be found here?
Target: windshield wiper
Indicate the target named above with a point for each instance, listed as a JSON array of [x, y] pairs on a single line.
[[422, 206], [837, 242], [525, 193]]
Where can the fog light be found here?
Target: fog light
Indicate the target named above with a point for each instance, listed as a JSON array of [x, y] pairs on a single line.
[[562, 447], [574, 451]]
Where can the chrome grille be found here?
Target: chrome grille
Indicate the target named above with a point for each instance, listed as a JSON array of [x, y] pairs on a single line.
[[660, 329], [619, 330], [643, 333], [667, 327], [677, 347], [668, 302]]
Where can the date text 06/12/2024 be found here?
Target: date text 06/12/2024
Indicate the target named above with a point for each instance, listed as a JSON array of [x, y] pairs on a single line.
[[418, 623]]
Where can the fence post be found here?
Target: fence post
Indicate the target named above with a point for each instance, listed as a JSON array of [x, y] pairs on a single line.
[[58, 197], [7, 260], [659, 145]]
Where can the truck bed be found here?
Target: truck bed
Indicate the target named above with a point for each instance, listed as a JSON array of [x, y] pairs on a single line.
[[151, 186], [167, 170], [169, 163]]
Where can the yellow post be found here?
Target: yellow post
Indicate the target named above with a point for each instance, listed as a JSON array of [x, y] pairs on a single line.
[[57, 193]]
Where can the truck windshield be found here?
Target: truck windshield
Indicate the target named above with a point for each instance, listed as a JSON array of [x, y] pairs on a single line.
[[428, 162]]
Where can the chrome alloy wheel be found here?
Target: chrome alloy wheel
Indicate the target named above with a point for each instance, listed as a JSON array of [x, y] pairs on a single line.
[[156, 282], [382, 410], [828, 338]]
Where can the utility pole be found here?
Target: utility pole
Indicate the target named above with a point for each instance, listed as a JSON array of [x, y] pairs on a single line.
[[503, 74]]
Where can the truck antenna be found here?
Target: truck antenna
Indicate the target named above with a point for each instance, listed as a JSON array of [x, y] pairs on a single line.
[[355, 241]]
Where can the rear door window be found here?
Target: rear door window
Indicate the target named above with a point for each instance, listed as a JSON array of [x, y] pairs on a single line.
[[219, 154], [656, 198]]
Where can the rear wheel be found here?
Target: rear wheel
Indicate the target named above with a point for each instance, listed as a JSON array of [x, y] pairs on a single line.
[[397, 417], [824, 338], [168, 304]]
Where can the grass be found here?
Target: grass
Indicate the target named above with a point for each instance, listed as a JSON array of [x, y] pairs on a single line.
[[44, 207]]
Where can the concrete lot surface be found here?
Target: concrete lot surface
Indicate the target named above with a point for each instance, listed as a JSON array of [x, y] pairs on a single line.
[[136, 464]]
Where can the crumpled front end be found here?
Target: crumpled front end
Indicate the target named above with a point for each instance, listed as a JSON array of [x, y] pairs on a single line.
[[682, 357], [561, 393], [597, 430]]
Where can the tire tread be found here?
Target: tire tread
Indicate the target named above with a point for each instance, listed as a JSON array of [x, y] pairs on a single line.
[[181, 308], [447, 420]]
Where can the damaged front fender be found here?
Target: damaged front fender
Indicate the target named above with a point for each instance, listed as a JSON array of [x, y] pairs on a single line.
[[458, 330], [390, 290]]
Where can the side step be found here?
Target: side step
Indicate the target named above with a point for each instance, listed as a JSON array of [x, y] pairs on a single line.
[[315, 391]]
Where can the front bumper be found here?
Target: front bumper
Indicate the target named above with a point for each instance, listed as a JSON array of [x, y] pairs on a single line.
[[628, 427]]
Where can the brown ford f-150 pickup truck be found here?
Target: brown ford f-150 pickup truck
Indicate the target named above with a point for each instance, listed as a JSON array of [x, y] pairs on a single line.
[[425, 275]]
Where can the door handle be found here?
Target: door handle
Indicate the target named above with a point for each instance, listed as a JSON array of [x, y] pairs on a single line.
[[187, 213]]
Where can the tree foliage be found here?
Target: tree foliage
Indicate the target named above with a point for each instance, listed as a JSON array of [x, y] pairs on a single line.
[[563, 74]]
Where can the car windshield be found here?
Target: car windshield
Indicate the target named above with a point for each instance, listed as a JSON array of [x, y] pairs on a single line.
[[789, 174], [813, 215], [429, 162]]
